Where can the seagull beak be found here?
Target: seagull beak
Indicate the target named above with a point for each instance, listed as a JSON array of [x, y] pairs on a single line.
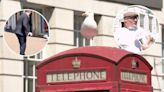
[[83, 14]]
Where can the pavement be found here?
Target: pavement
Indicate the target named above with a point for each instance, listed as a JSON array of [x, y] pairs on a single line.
[[33, 45]]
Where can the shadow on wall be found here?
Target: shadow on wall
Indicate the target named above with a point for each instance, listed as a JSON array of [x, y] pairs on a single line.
[[154, 4]]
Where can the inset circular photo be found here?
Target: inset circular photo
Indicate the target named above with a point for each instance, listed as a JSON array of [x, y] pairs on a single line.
[[26, 32], [135, 28]]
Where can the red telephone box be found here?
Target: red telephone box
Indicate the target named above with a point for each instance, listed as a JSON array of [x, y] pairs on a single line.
[[97, 68]]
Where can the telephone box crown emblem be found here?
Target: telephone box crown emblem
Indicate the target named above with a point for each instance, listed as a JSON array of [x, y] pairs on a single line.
[[76, 63]]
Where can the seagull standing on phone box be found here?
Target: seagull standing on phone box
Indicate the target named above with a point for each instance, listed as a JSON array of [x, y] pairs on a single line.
[[89, 26]]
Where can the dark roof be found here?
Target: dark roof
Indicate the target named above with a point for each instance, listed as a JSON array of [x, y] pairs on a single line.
[[108, 53]]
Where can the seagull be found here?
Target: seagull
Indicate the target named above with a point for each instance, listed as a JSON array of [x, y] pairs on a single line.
[[89, 26]]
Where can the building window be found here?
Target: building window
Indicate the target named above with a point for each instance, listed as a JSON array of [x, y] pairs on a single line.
[[29, 75], [38, 56], [42, 27], [30, 62], [142, 20], [150, 23], [11, 22], [79, 40]]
